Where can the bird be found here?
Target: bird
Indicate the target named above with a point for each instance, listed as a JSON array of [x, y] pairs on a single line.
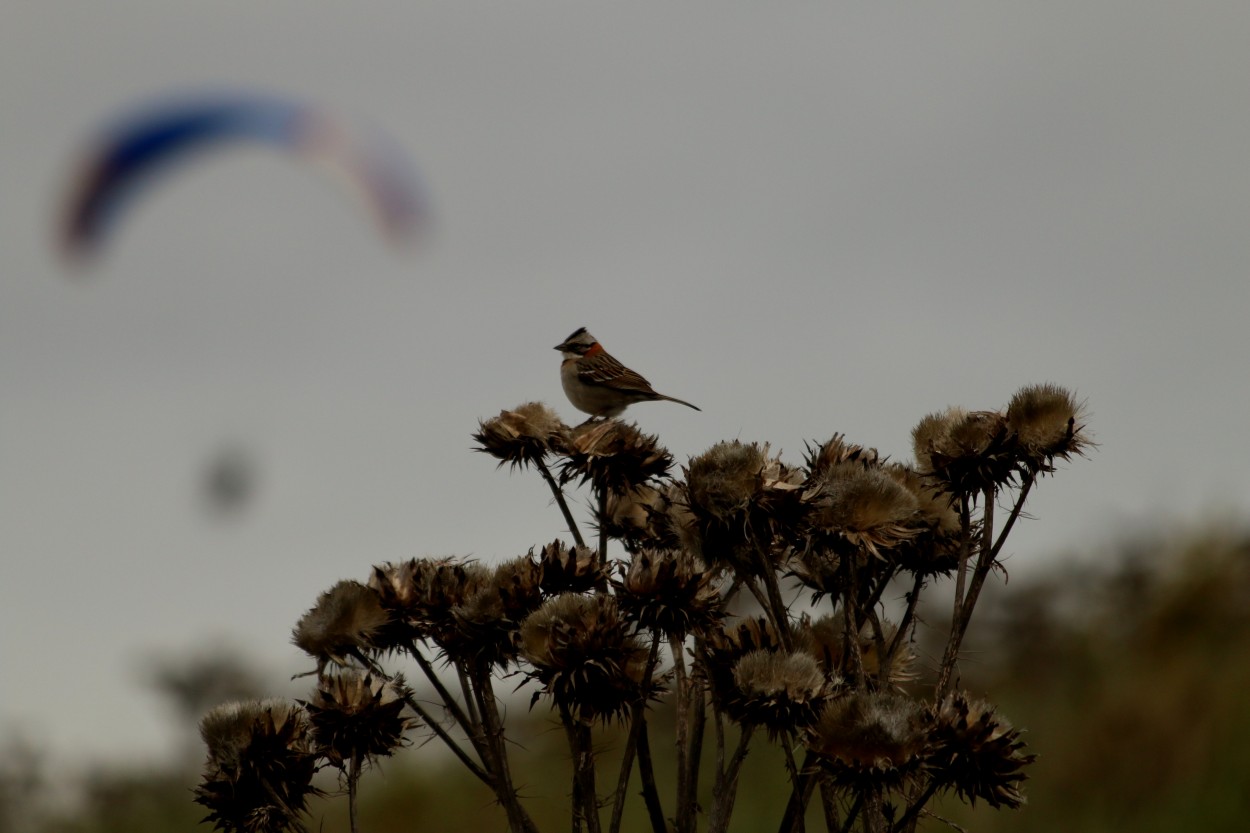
[[599, 385]]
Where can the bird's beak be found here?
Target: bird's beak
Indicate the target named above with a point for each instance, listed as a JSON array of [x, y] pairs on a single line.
[[560, 346]]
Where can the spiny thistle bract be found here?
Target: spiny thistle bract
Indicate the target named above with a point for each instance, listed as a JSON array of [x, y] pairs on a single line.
[[258, 775], [836, 452], [523, 436], [667, 591], [614, 456], [567, 569], [357, 716], [977, 753], [585, 655], [344, 623]]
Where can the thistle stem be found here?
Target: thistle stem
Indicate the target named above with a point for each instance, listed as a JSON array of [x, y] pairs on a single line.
[[439, 731], [800, 793], [558, 494], [584, 792], [913, 810], [603, 526], [637, 720], [472, 729], [518, 820], [685, 811], [725, 790], [353, 782], [646, 772], [912, 599], [951, 655]]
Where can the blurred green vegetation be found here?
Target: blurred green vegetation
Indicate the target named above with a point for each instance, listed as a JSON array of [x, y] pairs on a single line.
[[1130, 674]]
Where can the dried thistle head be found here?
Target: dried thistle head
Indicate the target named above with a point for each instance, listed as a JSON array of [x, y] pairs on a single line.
[[357, 716], [867, 738], [677, 528], [486, 623], [585, 655], [667, 591], [780, 690], [568, 569], [637, 517], [614, 456], [741, 500], [854, 508], [344, 622], [967, 452], [836, 452], [935, 549], [420, 595], [977, 753], [724, 480], [523, 436], [1047, 422], [258, 775], [825, 639], [723, 647], [820, 570]]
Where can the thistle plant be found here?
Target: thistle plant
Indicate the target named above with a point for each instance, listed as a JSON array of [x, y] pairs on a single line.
[[761, 602]]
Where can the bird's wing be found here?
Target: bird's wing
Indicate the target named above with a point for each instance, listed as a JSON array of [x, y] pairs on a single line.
[[601, 369]]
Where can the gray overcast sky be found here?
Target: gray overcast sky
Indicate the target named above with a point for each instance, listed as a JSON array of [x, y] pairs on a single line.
[[804, 217]]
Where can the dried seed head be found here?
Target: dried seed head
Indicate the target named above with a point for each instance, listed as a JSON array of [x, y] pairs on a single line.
[[584, 655], [399, 585], [613, 455], [742, 500], [935, 550], [568, 569], [869, 738], [723, 480], [723, 649], [667, 591], [522, 436], [780, 690], [977, 753], [864, 507], [966, 452], [825, 639], [344, 622], [637, 517], [486, 623], [420, 595], [1046, 420], [836, 452], [357, 716], [258, 775], [820, 570], [678, 526]]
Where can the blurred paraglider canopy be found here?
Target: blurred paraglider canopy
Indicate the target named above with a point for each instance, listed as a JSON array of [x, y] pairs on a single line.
[[146, 142]]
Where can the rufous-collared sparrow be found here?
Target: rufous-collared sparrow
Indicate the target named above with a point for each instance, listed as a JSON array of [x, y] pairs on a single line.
[[598, 384]]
